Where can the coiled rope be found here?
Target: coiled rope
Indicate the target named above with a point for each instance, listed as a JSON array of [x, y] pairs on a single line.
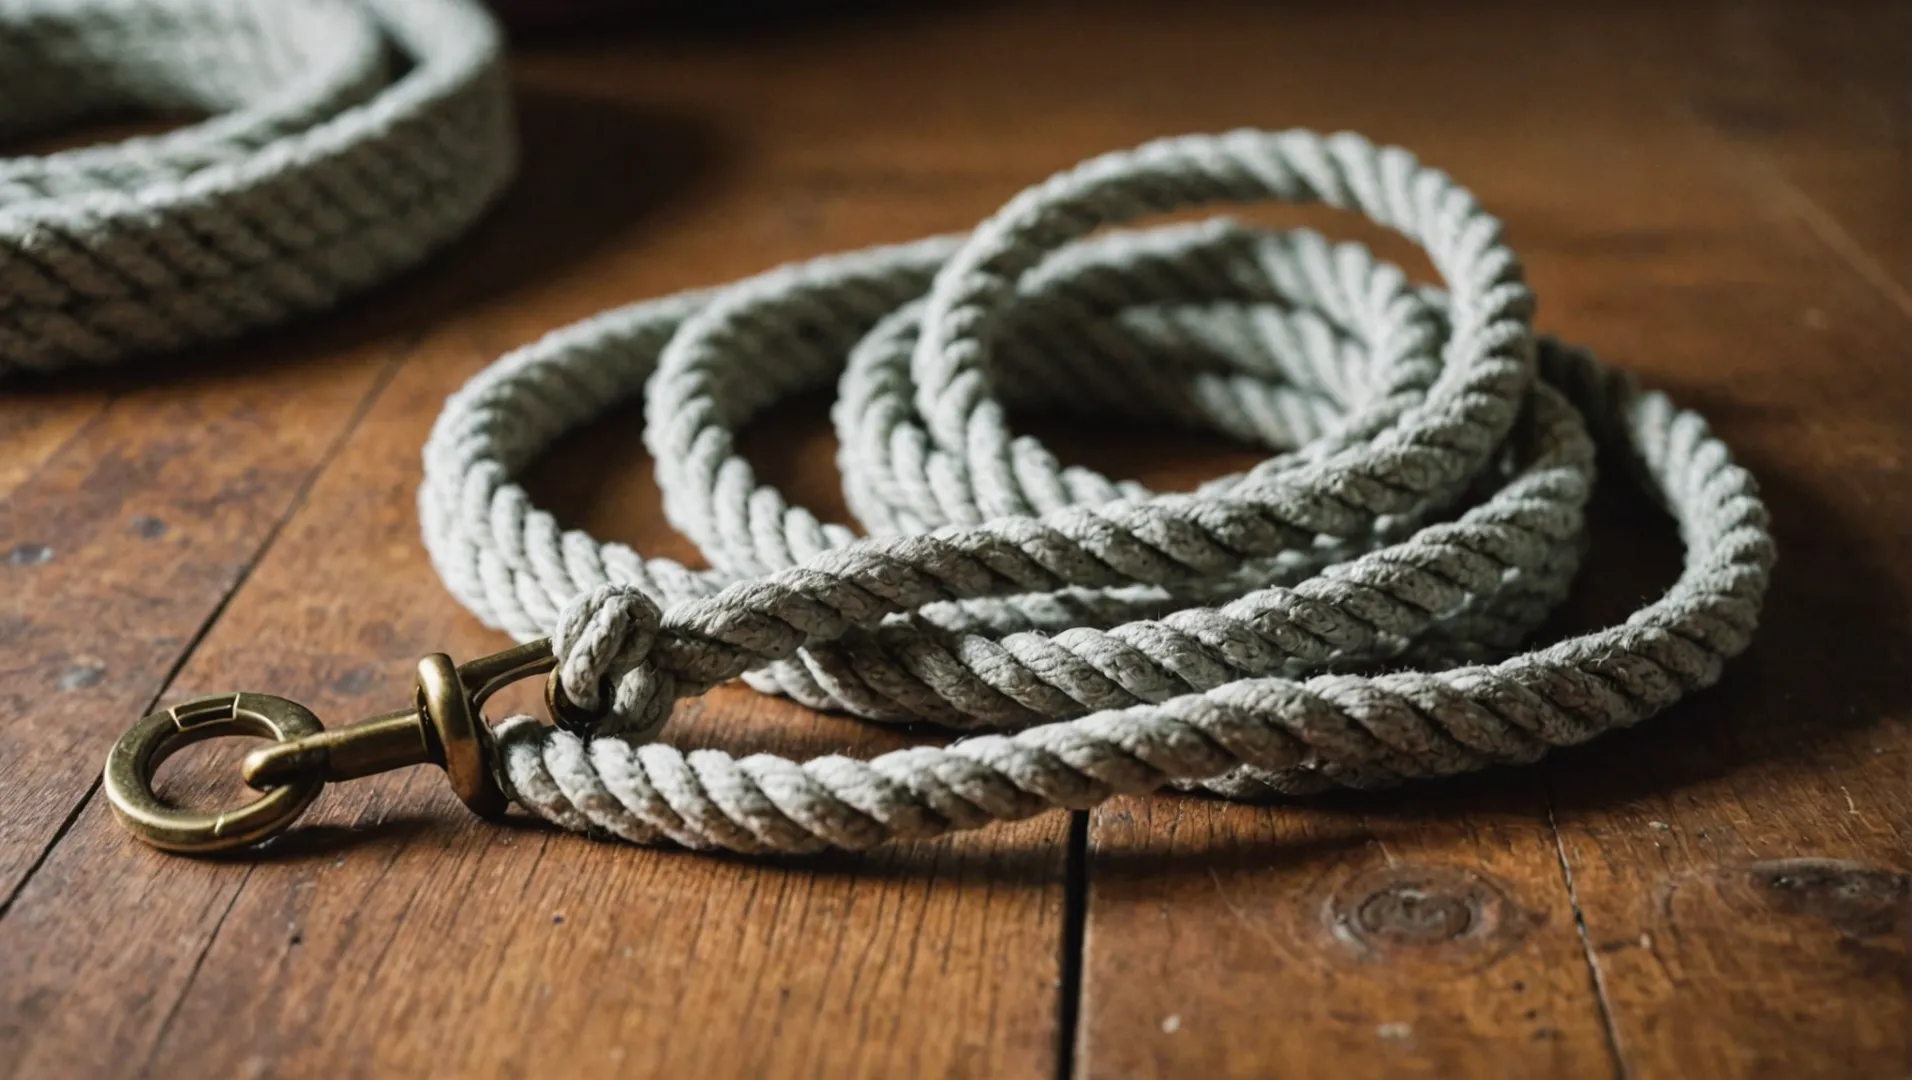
[[1421, 513], [347, 140]]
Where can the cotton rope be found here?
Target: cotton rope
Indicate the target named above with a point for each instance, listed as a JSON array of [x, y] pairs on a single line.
[[346, 140], [1342, 614]]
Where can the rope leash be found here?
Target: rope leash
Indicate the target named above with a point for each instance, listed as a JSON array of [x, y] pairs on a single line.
[[348, 139], [1421, 513]]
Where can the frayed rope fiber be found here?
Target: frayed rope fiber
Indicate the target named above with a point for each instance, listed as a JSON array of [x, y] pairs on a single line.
[[1349, 612], [346, 140]]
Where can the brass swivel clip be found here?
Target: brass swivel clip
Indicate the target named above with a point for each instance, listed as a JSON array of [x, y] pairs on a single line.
[[445, 727]]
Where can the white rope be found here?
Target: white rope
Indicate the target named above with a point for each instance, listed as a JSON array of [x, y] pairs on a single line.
[[347, 139], [1420, 515]]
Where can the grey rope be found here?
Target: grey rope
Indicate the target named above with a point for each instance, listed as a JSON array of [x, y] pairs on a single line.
[[347, 139], [1421, 513]]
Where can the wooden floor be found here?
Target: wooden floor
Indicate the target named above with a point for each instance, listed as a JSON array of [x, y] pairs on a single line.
[[1714, 194]]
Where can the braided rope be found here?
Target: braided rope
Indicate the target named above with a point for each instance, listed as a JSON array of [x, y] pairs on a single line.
[[1423, 507], [321, 170]]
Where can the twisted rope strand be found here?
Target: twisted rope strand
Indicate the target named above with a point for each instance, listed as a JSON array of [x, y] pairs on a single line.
[[1424, 506]]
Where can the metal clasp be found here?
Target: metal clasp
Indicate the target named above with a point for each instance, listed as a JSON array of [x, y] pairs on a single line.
[[444, 727]]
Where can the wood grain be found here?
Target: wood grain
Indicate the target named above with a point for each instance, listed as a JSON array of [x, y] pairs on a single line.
[[395, 928], [1742, 872], [397, 933], [1709, 194], [1740, 915], [127, 531]]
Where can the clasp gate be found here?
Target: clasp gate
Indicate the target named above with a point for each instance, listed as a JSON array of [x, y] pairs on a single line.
[[444, 727]]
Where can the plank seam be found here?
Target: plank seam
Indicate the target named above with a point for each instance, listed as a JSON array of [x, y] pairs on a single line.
[[1075, 928], [199, 961], [59, 834], [1620, 1067]]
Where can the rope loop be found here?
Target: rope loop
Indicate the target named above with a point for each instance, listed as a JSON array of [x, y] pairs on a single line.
[[1348, 612]]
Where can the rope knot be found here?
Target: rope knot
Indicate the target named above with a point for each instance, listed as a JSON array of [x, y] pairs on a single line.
[[603, 642]]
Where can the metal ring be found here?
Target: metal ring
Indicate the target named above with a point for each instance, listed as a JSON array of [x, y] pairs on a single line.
[[445, 704], [138, 754]]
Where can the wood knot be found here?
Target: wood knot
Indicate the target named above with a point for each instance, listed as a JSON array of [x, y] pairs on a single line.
[[1411, 914], [1444, 914], [1857, 899]]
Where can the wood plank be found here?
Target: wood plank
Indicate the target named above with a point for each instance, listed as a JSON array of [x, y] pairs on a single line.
[[143, 516], [1742, 874], [380, 933], [125, 539], [1423, 934], [395, 933], [1666, 259], [1813, 99], [133, 501], [36, 424], [1432, 930]]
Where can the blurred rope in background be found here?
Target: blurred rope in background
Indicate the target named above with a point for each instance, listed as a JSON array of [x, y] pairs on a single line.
[[344, 141]]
